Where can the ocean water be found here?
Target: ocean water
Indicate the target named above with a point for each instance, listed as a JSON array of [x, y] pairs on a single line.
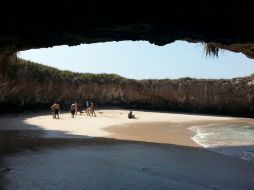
[[234, 140]]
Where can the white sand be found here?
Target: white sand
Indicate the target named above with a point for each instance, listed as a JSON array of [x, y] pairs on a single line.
[[170, 128], [94, 126]]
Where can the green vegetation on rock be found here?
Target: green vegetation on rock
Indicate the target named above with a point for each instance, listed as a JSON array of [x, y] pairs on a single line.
[[26, 85], [23, 68]]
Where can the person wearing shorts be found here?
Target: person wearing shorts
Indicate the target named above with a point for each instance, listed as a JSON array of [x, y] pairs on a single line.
[[56, 109]]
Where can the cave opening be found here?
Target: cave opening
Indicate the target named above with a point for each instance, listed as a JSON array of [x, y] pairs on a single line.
[[177, 77], [185, 103], [142, 60]]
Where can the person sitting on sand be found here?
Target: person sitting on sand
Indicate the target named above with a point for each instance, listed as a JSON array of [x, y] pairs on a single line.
[[56, 109], [73, 110], [131, 116]]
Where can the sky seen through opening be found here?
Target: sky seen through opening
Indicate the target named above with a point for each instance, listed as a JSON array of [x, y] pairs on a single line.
[[142, 60]]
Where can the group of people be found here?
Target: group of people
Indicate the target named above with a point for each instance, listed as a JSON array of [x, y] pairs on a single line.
[[75, 107]]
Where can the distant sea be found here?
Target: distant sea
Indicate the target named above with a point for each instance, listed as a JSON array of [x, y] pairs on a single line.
[[233, 140]]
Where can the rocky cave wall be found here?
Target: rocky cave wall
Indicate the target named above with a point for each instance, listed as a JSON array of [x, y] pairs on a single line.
[[22, 90], [227, 25]]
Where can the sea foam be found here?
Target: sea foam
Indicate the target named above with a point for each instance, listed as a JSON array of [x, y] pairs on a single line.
[[234, 140]]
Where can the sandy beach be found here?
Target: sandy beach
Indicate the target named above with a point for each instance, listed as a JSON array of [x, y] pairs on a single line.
[[155, 149], [170, 128]]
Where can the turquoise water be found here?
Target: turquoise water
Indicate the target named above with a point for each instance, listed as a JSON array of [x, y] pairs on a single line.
[[233, 140]]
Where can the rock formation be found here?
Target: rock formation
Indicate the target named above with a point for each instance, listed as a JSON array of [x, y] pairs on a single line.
[[26, 25], [220, 24], [33, 86]]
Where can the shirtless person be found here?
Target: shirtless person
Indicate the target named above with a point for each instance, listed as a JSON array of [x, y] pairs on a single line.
[[56, 109], [73, 110]]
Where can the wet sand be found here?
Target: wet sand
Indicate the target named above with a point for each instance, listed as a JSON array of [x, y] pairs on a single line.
[[166, 132], [158, 132], [113, 152]]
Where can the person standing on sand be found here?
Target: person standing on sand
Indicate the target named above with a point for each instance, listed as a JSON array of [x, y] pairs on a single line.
[[92, 109], [73, 110], [80, 108], [87, 104], [56, 109], [76, 108]]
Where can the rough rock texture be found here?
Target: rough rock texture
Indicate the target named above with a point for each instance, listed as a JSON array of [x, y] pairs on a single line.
[[26, 25], [227, 25], [29, 88]]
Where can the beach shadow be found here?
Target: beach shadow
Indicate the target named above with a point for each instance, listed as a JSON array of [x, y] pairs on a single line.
[[122, 163], [173, 157], [32, 136]]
